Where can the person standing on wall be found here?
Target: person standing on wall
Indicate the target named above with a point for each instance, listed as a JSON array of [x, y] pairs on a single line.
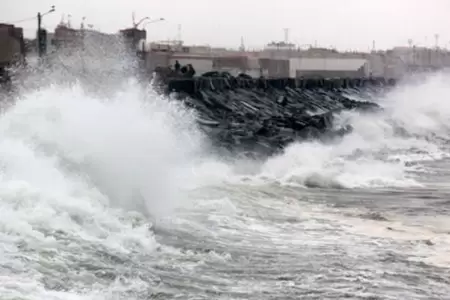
[[177, 66]]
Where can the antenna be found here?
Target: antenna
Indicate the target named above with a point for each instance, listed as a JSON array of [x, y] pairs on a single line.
[[286, 35], [436, 40], [242, 47], [133, 18], [179, 33], [68, 21]]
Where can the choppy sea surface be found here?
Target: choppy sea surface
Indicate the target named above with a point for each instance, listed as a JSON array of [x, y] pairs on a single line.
[[122, 197]]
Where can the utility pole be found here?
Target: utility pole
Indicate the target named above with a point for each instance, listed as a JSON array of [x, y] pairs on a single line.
[[39, 35], [42, 33]]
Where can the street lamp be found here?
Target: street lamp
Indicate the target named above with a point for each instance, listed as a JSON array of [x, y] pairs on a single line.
[[39, 19], [152, 21], [135, 25], [149, 22], [39, 15]]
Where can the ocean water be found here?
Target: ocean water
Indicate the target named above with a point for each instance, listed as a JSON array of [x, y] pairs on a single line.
[[119, 195]]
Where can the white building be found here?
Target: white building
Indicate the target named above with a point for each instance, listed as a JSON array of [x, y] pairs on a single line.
[[327, 67]]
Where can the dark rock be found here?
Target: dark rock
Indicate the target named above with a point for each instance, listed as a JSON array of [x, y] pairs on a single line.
[[244, 76], [429, 243], [265, 115]]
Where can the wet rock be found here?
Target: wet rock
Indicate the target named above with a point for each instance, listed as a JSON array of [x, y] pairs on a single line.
[[243, 114], [428, 243]]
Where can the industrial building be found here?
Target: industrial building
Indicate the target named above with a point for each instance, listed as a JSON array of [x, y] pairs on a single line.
[[12, 50], [12, 43]]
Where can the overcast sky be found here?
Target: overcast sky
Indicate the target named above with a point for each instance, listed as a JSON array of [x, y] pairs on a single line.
[[345, 24]]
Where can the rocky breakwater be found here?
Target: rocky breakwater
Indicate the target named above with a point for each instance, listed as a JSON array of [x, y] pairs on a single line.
[[264, 115]]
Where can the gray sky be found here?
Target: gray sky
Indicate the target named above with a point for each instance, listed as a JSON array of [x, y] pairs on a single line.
[[345, 24]]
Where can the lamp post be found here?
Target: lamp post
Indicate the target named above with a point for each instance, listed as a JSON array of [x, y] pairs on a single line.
[[145, 24], [152, 21], [136, 24], [143, 42], [39, 35]]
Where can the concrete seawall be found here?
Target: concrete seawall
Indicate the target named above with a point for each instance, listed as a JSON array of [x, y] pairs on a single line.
[[193, 85]]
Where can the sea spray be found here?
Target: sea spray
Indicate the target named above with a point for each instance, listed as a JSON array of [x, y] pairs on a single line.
[[84, 176], [376, 153]]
